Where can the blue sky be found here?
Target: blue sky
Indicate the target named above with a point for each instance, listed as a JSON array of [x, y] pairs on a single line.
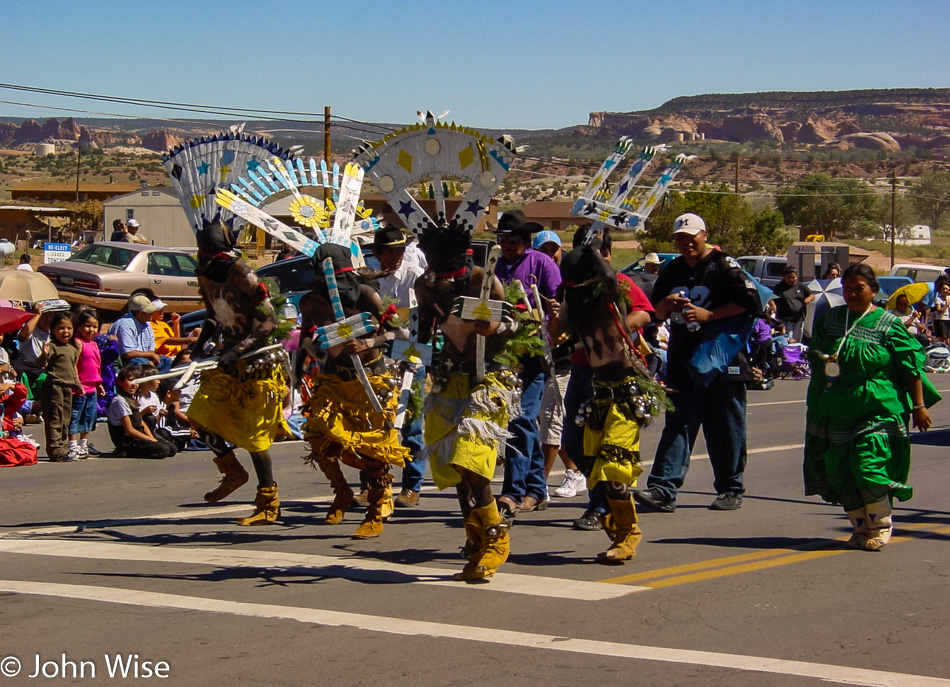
[[517, 64]]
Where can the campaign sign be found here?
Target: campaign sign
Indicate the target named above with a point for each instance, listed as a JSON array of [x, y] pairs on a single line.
[[55, 252]]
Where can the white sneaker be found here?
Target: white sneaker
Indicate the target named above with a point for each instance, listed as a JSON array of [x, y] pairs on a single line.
[[73, 454], [574, 483]]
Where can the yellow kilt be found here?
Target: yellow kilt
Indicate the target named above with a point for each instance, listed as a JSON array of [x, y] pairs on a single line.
[[248, 414], [466, 427], [342, 421], [615, 449]]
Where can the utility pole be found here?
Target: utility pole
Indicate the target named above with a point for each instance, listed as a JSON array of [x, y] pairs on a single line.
[[78, 164], [326, 147], [893, 216]]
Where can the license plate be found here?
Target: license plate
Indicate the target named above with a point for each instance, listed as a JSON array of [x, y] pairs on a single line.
[[66, 281]]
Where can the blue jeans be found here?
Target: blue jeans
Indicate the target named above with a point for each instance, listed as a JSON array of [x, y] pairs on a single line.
[[415, 470], [83, 416], [579, 392], [524, 462], [720, 409]]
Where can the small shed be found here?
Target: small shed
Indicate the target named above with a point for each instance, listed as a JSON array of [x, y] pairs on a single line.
[[157, 210]]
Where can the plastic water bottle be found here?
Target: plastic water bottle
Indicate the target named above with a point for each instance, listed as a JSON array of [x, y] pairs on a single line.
[[677, 317]]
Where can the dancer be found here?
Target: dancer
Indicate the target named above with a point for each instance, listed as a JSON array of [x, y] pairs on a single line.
[[624, 397], [344, 426], [239, 402], [466, 418], [866, 388]]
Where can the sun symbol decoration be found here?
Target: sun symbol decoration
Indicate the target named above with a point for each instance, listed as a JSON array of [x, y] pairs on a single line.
[[307, 211]]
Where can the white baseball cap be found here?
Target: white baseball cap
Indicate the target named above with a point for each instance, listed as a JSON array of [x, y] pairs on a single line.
[[159, 304], [689, 224], [132, 223]]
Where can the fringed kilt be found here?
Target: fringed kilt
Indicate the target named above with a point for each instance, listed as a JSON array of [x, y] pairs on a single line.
[[243, 408], [466, 426], [343, 424]]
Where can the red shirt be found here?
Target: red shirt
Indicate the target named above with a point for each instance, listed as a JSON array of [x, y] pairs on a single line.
[[638, 301]]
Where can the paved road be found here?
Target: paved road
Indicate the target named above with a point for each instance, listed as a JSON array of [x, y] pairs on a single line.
[[120, 557]]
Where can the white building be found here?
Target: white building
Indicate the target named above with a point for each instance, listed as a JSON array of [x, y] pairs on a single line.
[[157, 210], [917, 235]]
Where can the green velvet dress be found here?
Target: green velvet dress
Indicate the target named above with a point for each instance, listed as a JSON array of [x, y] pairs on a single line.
[[857, 445]]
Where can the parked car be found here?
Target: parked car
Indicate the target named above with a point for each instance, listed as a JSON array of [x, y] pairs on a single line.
[[916, 271], [637, 265], [767, 269], [104, 276]]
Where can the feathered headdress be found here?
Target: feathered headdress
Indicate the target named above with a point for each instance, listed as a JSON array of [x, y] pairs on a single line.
[[200, 167]]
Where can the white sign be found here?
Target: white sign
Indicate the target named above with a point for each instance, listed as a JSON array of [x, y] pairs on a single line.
[[55, 252]]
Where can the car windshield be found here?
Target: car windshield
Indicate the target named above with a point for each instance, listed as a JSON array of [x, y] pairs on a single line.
[[104, 256]]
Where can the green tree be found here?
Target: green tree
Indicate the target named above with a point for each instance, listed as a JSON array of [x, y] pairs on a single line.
[[931, 197], [730, 223], [827, 205]]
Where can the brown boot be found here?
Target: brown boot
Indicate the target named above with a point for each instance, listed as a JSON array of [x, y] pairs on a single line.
[[235, 476], [473, 539], [493, 546], [380, 494], [343, 495], [267, 507], [389, 504], [620, 524]]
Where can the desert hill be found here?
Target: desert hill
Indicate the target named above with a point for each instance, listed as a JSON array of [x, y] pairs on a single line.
[[887, 120]]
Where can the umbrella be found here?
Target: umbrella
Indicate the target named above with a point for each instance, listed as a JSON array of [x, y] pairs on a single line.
[[12, 319], [21, 285], [916, 292], [828, 294]]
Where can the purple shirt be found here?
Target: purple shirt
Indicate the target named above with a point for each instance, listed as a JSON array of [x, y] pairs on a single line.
[[532, 267]]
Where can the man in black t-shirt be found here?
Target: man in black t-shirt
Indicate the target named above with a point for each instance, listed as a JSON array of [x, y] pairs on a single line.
[[701, 287], [791, 302]]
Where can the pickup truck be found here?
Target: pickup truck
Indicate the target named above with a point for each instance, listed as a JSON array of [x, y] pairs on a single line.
[[767, 269]]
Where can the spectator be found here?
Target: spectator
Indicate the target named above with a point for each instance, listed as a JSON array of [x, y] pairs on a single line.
[[89, 368], [833, 271], [168, 338], [651, 263], [31, 339], [389, 247], [25, 263], [285, 253], [59, 358], [525, 487], [791, 302], [129, 434], [134, 236], [12, 396], [119, 231], [135, 336], [704, 286], [548, 243]]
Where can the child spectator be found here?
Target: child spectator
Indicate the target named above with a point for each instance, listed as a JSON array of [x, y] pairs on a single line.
[[89, 367], [150, 406], [130, 435], [173, 425], [59, 358], [12, 396]]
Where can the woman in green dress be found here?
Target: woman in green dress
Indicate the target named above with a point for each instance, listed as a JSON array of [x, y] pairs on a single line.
[[866, 384]]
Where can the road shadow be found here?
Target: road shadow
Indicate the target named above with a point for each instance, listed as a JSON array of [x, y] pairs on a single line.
[[939, 437]]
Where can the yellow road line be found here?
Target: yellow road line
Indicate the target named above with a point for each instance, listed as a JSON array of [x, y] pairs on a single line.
[[750, 562]]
